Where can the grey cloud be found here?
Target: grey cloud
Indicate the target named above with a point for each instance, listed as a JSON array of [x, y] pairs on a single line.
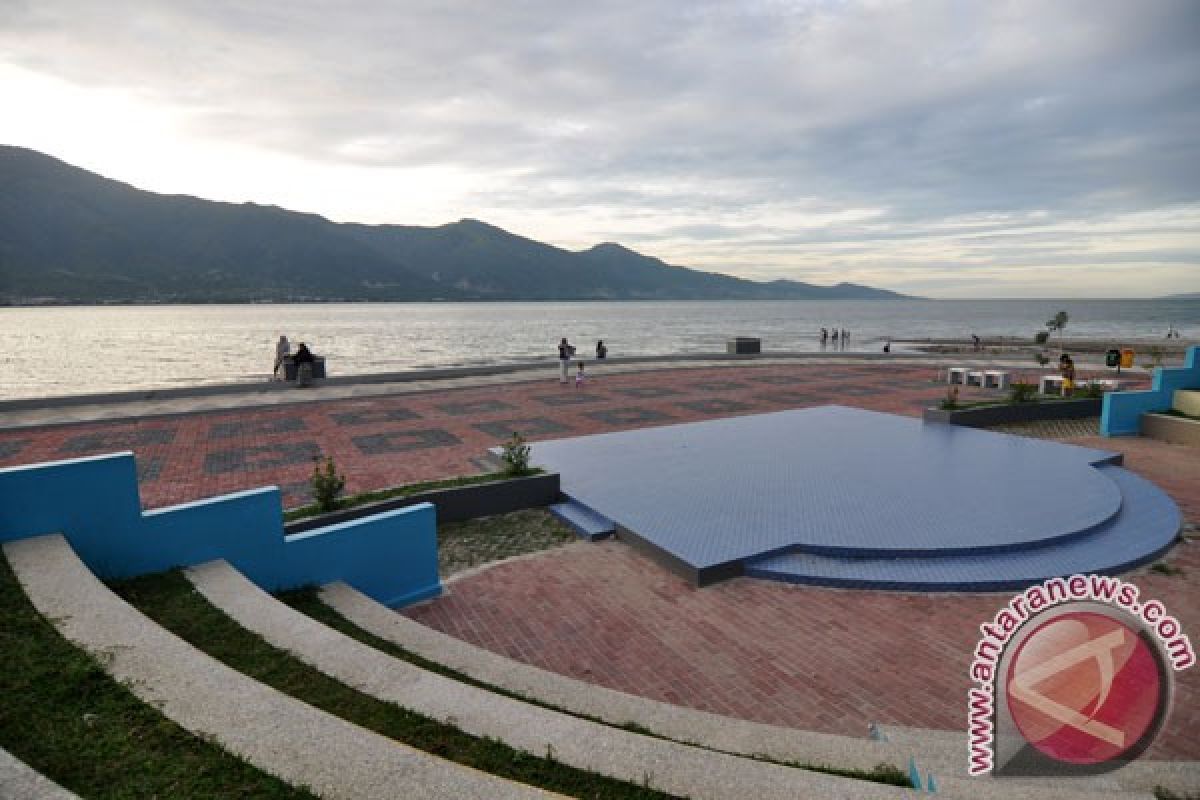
[[703, 111]]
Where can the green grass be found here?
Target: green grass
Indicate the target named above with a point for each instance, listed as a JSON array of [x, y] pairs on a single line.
[[1163, 568], [65, 717], [172, 602], [1176, 413], [311, 510], [471, 543]]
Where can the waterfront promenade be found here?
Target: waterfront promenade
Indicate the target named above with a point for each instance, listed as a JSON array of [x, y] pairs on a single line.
[[813, 658]]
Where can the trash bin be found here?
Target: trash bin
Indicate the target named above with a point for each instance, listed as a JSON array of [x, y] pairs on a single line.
[[744, 345], [1126, 357], [1112, 358]]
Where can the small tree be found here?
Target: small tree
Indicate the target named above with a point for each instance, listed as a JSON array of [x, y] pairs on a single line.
[[327, 484], [1058, 323]]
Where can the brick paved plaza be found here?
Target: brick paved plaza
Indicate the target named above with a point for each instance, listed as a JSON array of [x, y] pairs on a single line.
[[823, 659]]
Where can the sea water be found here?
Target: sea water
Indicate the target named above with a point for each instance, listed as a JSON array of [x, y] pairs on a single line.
[[83, 349]]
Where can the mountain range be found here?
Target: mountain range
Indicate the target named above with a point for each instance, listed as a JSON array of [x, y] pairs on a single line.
[[71, 236]]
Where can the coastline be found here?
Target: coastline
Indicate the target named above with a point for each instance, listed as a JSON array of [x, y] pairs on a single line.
[[1169, 349]]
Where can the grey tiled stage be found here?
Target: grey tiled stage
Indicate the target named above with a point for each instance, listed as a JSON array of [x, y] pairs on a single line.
[[835, 481]]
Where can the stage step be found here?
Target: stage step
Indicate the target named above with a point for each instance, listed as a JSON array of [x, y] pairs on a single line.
[[587, 523], [1145, 527]]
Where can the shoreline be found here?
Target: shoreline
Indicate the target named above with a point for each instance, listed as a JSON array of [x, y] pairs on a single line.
[[1170, 349]]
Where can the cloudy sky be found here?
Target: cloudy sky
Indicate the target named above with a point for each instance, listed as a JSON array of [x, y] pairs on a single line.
[[948, 149]]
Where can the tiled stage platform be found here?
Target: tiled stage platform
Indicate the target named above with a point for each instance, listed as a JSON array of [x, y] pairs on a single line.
[[842, 496]]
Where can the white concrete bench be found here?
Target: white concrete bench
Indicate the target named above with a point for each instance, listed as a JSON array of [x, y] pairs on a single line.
[[957, 375], [995, 379], [1050, 384]]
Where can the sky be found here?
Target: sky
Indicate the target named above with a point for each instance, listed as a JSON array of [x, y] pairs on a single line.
[[945, 149]]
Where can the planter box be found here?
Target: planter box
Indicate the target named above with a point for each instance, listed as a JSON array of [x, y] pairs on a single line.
[[454, 504], [1176, 430], [984, 416]]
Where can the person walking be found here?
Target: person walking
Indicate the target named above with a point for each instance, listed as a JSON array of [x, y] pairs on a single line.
[[565, 351], [283, 349]]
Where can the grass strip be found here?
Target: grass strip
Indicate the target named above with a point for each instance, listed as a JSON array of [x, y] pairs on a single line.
[[379, 495], [64, 716], [307, 601], [170, 600]]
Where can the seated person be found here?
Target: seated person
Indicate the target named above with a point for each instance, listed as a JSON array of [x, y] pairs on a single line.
[[303, 355]]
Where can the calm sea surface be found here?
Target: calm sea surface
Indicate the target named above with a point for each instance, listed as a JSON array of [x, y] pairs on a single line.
[[59, 351]]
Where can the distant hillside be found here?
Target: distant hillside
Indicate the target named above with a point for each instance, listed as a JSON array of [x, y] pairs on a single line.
[[1186, 296], [68, 235]]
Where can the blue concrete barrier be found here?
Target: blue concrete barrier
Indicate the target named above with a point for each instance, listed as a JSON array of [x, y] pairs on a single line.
[[1122, 413], [94, 502]]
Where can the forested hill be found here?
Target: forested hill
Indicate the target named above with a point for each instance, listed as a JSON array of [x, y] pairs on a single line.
[[69, 235]]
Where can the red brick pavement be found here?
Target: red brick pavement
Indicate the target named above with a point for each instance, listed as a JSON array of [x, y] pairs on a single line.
[[814, 658], [818, 659], [387, 441]]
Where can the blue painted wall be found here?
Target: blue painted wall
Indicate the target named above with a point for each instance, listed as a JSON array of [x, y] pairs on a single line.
[[1123, 411], [94, 502]]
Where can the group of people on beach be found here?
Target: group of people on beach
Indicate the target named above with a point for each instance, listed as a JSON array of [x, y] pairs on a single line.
[[566, 351], [839, 336], [283, 349]]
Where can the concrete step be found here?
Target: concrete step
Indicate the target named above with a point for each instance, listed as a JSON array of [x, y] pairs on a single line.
[[19, 781], [945, 753], [583, 520], [274, 732], [668, 766], [1146, 525], [1186, 401], [701, 728]]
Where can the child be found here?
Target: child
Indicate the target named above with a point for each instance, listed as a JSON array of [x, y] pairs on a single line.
[[580, 377]]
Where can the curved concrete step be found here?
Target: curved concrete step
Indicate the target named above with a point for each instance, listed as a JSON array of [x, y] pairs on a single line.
[[665, 765], [683, 724], [274, 732], [19, 781], [1146, 525], [944, 752]]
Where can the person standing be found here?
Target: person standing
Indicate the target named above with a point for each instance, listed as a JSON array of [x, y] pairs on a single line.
[[283, 349], [601, 350], [565, 351]]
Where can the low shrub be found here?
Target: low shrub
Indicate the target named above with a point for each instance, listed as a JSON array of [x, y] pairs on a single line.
[[1041, 337], [327, 484], [515, 455], [1020, 392], [950, 401]]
